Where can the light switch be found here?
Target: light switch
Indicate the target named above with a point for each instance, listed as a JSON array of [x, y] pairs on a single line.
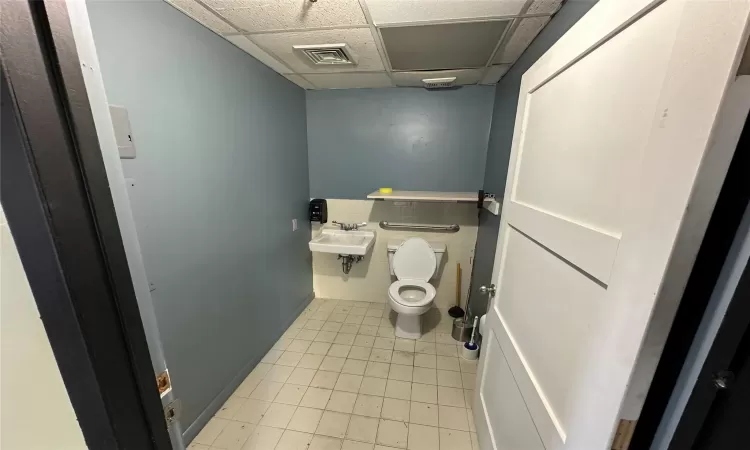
[[123, 133]]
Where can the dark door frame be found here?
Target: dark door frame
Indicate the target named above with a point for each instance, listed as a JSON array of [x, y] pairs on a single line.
[[56, 197]]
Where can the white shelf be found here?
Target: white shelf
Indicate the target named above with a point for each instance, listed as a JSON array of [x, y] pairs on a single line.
[[425, 196]]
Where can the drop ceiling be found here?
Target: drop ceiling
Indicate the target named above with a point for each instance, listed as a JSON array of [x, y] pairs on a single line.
[[392, 42]]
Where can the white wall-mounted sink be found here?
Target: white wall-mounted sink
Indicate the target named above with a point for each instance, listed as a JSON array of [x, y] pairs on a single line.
[[355, 242]]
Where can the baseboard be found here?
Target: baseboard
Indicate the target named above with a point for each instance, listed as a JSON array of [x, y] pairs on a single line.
[[220, 399]]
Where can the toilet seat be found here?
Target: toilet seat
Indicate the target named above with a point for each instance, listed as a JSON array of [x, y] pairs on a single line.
[[395, 295]]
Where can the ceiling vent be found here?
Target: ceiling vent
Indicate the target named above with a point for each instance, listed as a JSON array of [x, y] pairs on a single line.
[[438, 83], [327, 54]]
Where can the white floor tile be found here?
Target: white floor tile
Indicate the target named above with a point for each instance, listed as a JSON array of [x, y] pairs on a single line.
[[306, 335], [332, 364], [325, 443], [289, 358], [401, 373], [424, 393], [233, 436], [368, 330], [467, 366], [469, 380], [305, 419], [211, 431], [319, 348], [404, 345], [230, 407], [393, 433], [301, 376], [423, 437], [425, 376], [395, 409], [348, 383], [377, 369], [333, 424], [345, 338], [403, 358], [453, 418], [263, 438], [424, 414], [373, 386], [354, 366], [448, 396], [384, 343], [290, 394], [266, 390], [354, 445], [454, 440], [448, 363], [350, 328], [316, 398], [425, 348], [381, 355], [278, 415], [425, 361], [282, 344], [368, 405], [272, 356], [341, 402], [339, 351], [449, 378], [324, 379], [279, 374], [362, 429], [331, 326], [360, 353], [252, 411], [310, 361], [326, 336], [398, 389], [294, 440]]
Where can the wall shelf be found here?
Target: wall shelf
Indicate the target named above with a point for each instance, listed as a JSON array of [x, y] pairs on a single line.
[[425, 196]]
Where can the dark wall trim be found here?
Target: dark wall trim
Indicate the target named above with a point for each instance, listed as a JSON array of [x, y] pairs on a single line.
[[56, 197]]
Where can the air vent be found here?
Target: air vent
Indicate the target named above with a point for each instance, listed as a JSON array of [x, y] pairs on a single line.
[[438, 83], [328, 54]]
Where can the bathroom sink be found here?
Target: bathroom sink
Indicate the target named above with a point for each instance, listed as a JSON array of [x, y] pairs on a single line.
[[355, 242]]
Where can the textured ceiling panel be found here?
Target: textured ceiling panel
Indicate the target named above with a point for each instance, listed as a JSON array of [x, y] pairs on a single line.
[[399, 11], [360, 42], [544, 7], [246, 45], [442, 46], [202, 15], [467, 76], [299, 81], [520, 38], [494, 73], [349, 80], [264, 15]]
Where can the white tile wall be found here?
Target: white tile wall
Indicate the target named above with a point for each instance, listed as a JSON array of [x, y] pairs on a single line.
[[369, 279]]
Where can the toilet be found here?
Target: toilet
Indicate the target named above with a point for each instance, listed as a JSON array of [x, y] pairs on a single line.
[[414, 262]]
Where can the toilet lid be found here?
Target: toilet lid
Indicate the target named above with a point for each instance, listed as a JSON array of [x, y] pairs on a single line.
[[414, 260]]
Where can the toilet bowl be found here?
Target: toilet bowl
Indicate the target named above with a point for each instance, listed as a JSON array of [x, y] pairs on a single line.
[[414, 262]]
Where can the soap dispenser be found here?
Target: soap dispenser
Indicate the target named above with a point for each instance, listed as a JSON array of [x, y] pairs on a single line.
[[318, 210]]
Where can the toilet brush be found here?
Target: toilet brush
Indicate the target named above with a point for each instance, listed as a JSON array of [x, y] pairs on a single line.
[[457, 311], [470, 349]]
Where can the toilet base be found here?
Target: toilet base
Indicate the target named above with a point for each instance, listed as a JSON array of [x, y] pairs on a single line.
[[409, 326]]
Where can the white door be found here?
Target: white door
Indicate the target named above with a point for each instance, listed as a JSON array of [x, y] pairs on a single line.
[[613, 176]]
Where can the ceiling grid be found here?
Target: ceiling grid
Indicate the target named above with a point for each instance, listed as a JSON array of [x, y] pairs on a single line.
[[447, 38]]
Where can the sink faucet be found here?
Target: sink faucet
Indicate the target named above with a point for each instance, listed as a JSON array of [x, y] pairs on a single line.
[[349, 226]]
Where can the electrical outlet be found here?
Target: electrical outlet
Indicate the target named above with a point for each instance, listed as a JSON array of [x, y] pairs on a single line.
[[294, 224]]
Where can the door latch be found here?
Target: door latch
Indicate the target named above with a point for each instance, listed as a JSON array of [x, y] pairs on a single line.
[[488, 290]]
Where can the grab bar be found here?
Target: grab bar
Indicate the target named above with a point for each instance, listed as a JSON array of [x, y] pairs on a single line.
[[447, 228]]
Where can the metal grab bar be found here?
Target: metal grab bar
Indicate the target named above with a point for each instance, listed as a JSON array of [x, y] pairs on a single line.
[[447, 228]]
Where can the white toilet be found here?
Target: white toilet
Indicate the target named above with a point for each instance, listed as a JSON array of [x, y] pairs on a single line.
[[414, 262]]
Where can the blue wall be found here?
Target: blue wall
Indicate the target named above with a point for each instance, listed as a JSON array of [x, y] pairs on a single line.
[[220, 173], [501, 138], [412, 139]]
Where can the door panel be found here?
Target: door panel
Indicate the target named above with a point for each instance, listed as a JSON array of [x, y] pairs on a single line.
[[501, 398], [604, 190]]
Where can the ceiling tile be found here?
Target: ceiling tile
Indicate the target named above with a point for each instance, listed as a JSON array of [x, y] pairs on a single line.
[[520, 38], [442, 46], [265, 15], [349, 80], [466, 76], [399, 11], [544, 7], [494, 73], [359, 40], [258, 53], [299, 81], [197, 12]]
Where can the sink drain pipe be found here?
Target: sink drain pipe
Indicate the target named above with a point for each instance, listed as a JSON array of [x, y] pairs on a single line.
[[347, 261]]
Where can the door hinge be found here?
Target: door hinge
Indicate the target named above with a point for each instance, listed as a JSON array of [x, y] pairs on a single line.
[[172, 411], [624, 434]]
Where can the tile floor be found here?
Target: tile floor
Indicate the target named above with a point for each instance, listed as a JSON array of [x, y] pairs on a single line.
[[338, 379]]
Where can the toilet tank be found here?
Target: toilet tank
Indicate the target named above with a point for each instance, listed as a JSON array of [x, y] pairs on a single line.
[[393, 245]]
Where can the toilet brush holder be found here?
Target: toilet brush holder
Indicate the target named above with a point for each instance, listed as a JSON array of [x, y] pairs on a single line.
[[461, 330], [470, 351]]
